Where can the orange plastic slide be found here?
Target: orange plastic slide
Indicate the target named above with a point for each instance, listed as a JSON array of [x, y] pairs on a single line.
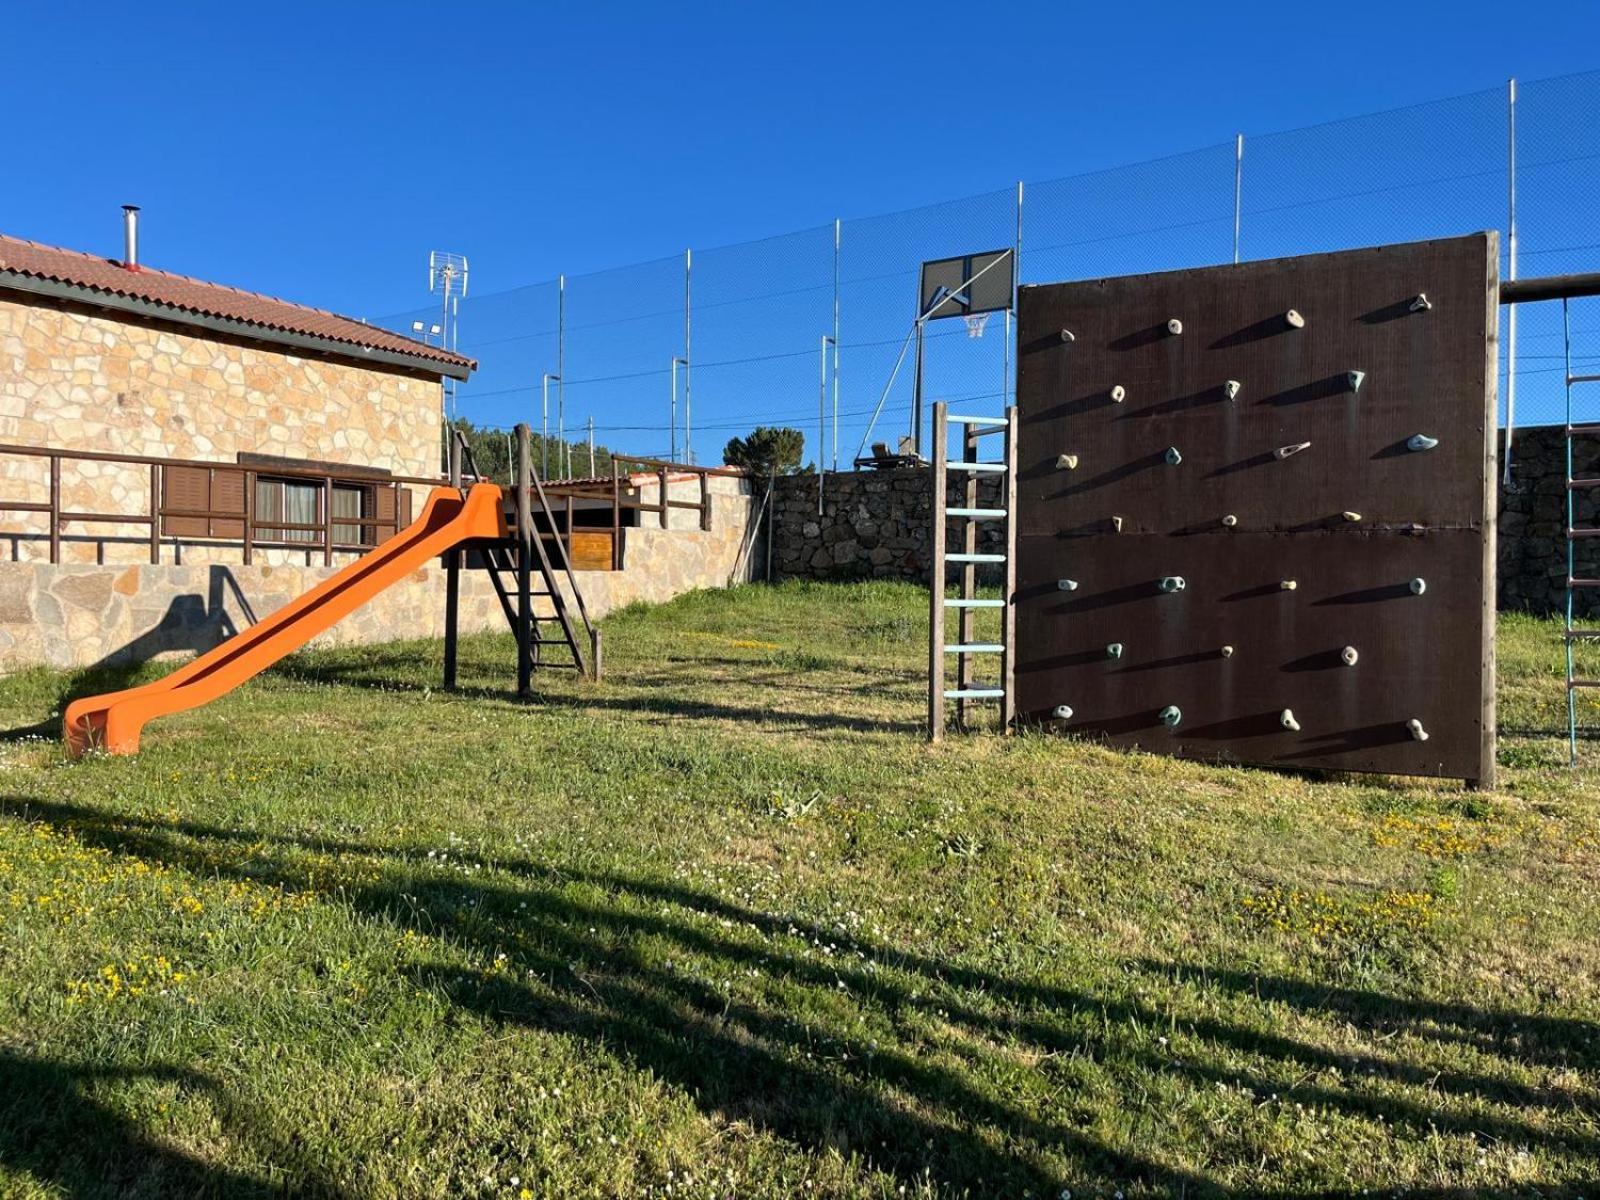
[[112, 722]]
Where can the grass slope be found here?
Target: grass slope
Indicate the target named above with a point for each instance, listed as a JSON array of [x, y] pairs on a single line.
[[725, 926]]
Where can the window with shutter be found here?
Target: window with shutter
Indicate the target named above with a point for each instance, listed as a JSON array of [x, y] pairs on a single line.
[[185, 490]]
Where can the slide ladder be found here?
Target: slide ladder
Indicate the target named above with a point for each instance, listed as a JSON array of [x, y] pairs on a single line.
[[966, 649], [112, 722]]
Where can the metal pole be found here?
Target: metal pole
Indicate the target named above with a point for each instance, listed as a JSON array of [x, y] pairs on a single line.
[[1511, 270], [916, 394], [525, 535], [1016, 276], [822, 417], [836, 231], [561, 432], [591, 447], [688, 440], [544, 426], [561, 346], [1238, 190], [672, 414], [936, 581]]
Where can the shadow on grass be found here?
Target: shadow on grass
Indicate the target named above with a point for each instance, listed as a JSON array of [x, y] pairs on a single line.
[[55, 1128], [901, 1058]]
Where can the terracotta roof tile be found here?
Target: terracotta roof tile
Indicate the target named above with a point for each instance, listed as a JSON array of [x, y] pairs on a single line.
[[207, 299]]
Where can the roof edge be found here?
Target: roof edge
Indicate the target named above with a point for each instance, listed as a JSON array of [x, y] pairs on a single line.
[[22, 282]]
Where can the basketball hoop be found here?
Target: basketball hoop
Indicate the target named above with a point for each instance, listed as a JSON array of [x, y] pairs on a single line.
[[975, 324]]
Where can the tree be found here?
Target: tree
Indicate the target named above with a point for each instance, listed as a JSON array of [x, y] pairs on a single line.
[[493, 449], [768, 451]]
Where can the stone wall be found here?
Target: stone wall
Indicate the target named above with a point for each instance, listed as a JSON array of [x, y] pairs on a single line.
[[875, 524], [79, 380], [81, 615]]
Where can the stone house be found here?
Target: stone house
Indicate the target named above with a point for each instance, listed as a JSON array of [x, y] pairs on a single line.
[[178, 458]]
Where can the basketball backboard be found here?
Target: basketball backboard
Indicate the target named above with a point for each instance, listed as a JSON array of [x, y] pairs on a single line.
[[966, 285]]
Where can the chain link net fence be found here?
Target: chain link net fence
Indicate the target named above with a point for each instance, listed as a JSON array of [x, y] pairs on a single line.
[[670, 358]]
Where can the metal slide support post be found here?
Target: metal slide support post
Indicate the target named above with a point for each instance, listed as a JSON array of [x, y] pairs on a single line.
[[936, 583], [452, 579], [525, 630], [1511, 270]]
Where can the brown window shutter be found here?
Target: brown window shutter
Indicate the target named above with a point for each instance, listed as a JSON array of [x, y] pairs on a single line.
[[227, 495], [405, 506], [185, 489], [385, 513]]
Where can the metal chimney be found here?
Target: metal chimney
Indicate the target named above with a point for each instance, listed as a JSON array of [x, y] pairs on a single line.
[[130, 236]]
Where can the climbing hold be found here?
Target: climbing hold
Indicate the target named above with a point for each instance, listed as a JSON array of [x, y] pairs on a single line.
[[1171, 715], [1294, 320], [1230, 520], [1420, 302], [1418, 733], [1288, 585], [1349, 655], [1173, 583], [1226, 652], [1173, 457], [1061, 712], [1066, 336], [1286, 719], [1418, 585], [1114, 650], [1283, 452], [1421, 441], [1067, 462], [1353, 379], [1118, 393], [1116, 524], [1352, 517], [1067, 585], [1174, 326], [1231, 388]]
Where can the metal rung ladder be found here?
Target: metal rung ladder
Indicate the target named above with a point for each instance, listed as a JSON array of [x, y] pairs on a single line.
[[964, 462], [1572, 636]]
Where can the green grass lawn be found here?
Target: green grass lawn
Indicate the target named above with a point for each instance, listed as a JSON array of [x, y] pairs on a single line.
[[725, 926]]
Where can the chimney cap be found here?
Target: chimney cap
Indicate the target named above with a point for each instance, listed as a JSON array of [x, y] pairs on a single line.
[[130, 208]]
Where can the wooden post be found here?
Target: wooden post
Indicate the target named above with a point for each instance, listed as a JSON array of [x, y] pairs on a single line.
[[1008, 596], [705, 501], [936, 583], [452, 580], [525, 536], [155, 514], [662, 475], [55, 509]]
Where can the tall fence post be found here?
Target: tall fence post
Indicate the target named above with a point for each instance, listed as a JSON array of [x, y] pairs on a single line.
[[1511, 271], [561, 352], [525, 536], [836, 231], [688, 429], [1238, 190]]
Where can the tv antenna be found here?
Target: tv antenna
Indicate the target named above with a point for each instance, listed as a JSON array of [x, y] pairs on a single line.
[[447, 279]]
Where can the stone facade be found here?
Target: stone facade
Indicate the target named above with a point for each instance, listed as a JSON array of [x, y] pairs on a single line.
[[79, 380], [875, 524], [73, 616]]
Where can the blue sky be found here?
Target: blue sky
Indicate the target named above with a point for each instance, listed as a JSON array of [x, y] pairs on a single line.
[[319, 151]]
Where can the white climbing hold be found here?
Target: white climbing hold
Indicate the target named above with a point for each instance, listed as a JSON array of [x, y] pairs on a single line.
[[1173, 457], [1286, 719], [1283, 452], [1294, 320], [1230, 520], [1174, 326], [1174, 583], [1349, 656], [1118, 393], [1061, 712], [1418, 733], [1420, 302], [1171, 715], [1418, 585], [1353, 379], [1226, 652], [1114, 650], [1067, 585], [1116, 524], [1421, 441], [1231, 388], [1067, 462], [1288, 585], [1351, 517], [1066, 336]]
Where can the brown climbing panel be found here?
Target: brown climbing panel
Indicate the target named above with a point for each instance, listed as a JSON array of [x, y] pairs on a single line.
[[1196, 473]]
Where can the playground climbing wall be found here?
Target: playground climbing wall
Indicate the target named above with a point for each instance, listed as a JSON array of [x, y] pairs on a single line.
[[1257, 509]]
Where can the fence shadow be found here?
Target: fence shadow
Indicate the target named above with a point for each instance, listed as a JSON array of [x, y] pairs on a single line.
[[592, 954]]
